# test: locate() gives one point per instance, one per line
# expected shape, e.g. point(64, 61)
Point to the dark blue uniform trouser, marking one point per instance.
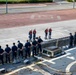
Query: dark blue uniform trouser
point(74, 42)
point(14, 55)
point(1, 58)
point(27, 53)
point(7, 58)
point(21, 53)
point(34, 52)
point(34, 36)
point(71, 44)
point(46, 35)
point(39, 48)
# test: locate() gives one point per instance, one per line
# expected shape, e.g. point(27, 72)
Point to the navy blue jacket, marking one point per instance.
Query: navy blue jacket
point(20, 45)
point(1, 50)
point(34, 43)
point(14, 48)
point(27, 45)
point(7, 49)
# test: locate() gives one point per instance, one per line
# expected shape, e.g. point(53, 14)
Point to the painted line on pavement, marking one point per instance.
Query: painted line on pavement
point(69, 66)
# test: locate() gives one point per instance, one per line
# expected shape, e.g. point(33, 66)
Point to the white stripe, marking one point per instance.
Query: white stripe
point(69, 66)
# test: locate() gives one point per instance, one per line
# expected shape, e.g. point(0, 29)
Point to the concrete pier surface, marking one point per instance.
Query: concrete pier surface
point(59, 64)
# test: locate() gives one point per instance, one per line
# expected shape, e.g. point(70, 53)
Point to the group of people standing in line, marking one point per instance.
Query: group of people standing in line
point(33, 48)
point(72, 41)
point(35, 45)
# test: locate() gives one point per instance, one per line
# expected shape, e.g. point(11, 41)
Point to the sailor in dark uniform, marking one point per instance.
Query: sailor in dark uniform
point(8, 51)
point(71, 40)
point(27, 49)
point(14, 51)
point(1, 55)
point(39, 44)
point(20, 48)
point(34, 48)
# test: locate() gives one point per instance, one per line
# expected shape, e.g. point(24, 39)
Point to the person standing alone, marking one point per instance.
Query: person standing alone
point(30, 35)
point(34, 34)
point(46, 33)
point(71, 41)
point(50, 31)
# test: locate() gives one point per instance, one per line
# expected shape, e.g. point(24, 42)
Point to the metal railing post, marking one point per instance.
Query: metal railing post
point(73, 4)
point(6, 6)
